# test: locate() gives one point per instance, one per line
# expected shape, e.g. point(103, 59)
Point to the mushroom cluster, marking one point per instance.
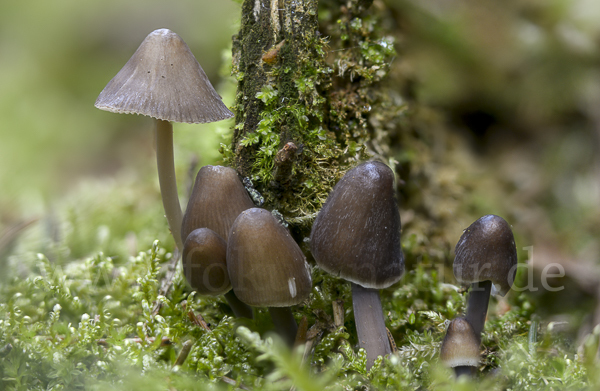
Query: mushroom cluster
point(486, 258)
point(232, 248)
point(217, 198)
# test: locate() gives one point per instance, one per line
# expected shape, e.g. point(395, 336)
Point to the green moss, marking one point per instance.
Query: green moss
point(90, 324)
point(319, 93)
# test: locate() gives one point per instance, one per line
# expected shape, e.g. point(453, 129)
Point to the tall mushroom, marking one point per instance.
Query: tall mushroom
point(485, 254)
point(205, 268)
point(267, 268)
point(164, 81)
point(356, 236)
point(460, 348)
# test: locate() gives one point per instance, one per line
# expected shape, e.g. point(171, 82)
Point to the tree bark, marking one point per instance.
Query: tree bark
point(305, 94)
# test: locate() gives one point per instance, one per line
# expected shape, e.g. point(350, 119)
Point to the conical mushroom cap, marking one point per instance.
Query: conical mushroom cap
point(216, 201)
point(266, 266)
point(204, 262)
point(460, 347)
point(163, 80)
point(357, 233)
point(486, 251)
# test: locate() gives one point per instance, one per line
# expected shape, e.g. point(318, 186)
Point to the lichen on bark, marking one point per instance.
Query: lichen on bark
point(309, 103)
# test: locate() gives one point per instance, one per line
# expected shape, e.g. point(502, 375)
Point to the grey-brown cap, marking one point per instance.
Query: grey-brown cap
point(217, 199)
point(204, 262)
point(163, 80)
point(356, 235)
point(266, 266)
point(460, 347)
point(486, 251)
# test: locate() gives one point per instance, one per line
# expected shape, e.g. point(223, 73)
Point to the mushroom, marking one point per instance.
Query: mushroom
point(460, 348)
point(164, 81)
point(485, 254)
point(205, 268)
point(356, 236)
point(267, 268)
point(217, 199)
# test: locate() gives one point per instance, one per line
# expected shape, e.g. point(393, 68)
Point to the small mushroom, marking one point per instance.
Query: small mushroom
point(460, 348)
point(217, 199)
point(485, 254)
point(164, 81)
point(205, 268)
point(356, 236)
point(267, 268)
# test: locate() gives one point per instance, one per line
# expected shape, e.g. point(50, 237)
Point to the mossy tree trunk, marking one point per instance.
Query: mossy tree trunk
point(309, 98)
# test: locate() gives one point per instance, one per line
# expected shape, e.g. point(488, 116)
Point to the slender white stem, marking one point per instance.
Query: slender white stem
point(166, 178)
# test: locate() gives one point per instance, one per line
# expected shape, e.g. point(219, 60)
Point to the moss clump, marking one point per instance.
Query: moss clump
point(73, 323)
point(304, 101)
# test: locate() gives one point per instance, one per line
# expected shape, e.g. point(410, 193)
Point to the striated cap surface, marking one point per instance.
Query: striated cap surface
point(216, 201)
point(266, 266)
point(356, 235)
point(163, 80)
point(460, 347)
point(204, 262)
point(486, 251)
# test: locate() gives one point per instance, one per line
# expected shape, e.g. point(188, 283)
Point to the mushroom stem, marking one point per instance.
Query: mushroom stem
point(166, 178)
point(370, 324)
point(463, 370)
point(479, 297)
point(240, 309)
point(285, 324)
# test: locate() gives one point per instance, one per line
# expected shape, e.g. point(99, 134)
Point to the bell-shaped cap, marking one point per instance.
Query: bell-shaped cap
point(486, 251)
point(266, 266)
point(204, 262)
point(163, 80)
point(217, 199)
point(460, 347)
point(356, 235)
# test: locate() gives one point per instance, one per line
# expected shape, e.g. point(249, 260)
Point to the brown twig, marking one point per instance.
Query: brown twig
point(183, 354)
point(338, 313)
point(198, 319)
point(302, 330)
point(392, 342)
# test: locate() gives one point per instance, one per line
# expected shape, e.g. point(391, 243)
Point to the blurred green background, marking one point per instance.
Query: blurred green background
point(56, 57)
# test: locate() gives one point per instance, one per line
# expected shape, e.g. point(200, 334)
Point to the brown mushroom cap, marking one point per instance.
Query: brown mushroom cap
point(357, 233)
point(163, 80)
point(204, 262)
point(216, 201)
point(486, 251)
point(266, 266)
point(460, 346)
